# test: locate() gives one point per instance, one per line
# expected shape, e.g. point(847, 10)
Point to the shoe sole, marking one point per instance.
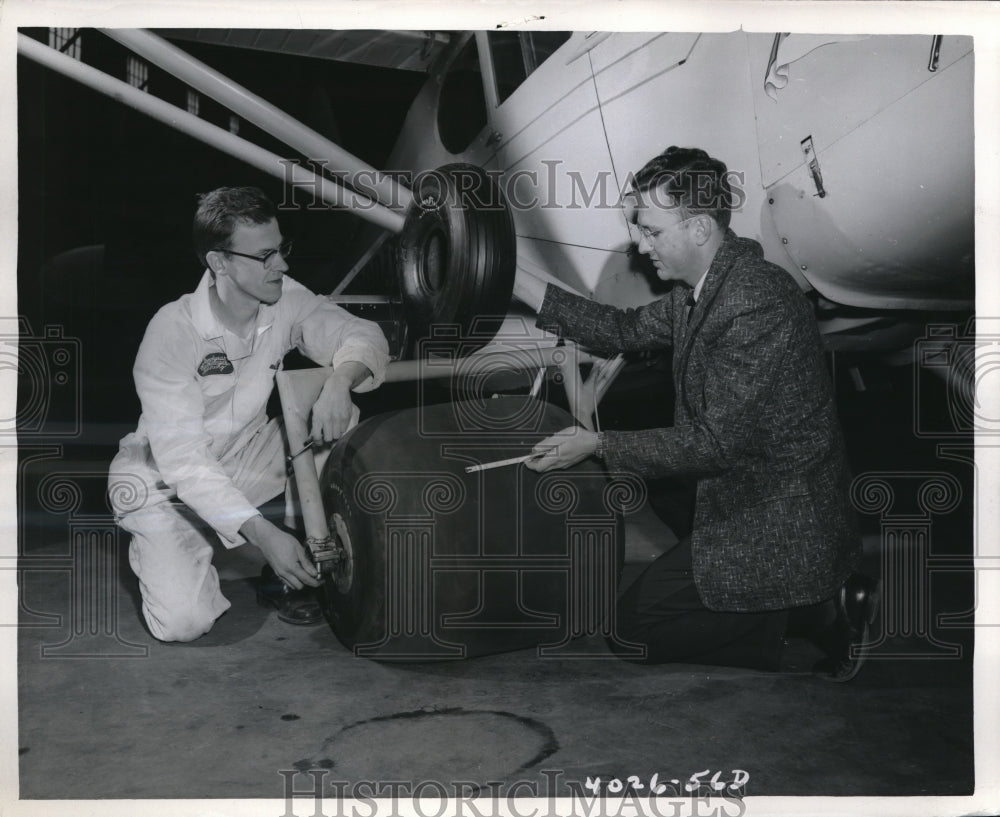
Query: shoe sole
point(871, 613)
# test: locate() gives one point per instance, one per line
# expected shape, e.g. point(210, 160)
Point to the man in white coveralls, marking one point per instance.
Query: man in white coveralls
point(205, 456)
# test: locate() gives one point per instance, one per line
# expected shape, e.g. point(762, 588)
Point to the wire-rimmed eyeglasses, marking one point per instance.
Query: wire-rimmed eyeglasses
point(651, 233)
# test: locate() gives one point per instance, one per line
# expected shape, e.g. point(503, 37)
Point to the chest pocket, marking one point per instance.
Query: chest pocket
point(216, 386)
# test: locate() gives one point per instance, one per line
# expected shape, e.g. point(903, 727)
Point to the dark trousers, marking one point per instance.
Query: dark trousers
point(662, 611)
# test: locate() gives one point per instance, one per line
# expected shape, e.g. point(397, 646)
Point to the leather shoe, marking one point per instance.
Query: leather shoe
point(857, 604)
point(294, 606)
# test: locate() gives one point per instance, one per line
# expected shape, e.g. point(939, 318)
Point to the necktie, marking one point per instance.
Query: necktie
point(690, 305)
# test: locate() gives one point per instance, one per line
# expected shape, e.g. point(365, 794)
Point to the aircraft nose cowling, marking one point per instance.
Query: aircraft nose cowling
point(447, 564)
point(457, 256)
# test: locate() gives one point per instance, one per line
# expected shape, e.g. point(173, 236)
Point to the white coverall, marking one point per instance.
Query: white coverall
point(204, 455)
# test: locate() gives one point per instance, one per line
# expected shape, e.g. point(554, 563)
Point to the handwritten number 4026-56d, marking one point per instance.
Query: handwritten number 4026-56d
point(694, 783)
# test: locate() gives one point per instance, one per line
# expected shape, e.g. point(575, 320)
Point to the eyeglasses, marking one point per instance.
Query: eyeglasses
point(649, 235)
point(267, 259)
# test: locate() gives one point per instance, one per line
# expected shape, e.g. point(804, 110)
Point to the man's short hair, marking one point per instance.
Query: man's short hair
point(689, 179)
point(219, 211)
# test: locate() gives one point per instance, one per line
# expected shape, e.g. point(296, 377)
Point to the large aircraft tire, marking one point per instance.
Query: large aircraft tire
point(445, 564)
point(457, 255)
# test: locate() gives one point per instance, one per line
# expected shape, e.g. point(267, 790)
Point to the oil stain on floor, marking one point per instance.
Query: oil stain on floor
point(484, 745)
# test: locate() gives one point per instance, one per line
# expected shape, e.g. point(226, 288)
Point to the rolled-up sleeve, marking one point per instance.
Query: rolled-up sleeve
point(331, 336)
point(173, 413)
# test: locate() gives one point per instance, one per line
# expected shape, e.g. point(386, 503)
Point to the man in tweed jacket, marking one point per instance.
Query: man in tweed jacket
point(773, 545)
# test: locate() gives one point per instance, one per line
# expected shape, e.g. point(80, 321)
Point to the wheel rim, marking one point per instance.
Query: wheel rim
point(434, 261)
point(343, 575)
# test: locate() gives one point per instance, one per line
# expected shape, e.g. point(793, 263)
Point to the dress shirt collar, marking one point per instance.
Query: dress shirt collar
point(696, 294)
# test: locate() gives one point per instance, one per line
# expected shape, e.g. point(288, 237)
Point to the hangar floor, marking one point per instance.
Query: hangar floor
point(108, 712)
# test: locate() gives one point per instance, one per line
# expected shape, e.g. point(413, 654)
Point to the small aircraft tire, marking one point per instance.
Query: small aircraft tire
point(457, 255)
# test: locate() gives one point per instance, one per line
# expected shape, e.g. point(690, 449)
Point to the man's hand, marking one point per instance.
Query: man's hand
point(282, 551)
point(334, 413)
point(563, 449)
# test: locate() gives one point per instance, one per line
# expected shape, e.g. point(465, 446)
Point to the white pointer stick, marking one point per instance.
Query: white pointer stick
point(486, 466)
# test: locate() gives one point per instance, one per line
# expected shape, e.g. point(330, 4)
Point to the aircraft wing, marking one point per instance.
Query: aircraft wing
point(402, 50)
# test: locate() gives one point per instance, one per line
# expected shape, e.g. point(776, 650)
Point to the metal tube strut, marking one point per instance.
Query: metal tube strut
point(326, 189)
point(261, 113)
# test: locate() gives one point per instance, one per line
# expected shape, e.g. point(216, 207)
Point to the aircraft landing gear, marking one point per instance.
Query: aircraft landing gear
point(457, 252)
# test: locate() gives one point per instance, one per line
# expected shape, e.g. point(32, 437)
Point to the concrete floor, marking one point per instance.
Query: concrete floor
point(106, 711)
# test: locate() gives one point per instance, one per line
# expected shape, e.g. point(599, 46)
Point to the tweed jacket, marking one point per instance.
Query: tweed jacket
point(754, 423)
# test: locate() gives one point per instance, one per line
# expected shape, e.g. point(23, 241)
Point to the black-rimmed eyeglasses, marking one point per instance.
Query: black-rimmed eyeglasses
point(267, 258)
